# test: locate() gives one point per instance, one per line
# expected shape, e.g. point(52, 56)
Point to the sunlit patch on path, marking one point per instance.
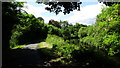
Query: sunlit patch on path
point(31, 46)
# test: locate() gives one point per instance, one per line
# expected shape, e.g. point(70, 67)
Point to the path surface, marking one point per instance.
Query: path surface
point(27, 56)
point(31, 46)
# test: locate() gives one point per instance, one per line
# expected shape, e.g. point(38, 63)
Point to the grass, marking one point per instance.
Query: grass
point(44, 45)
point(18, 46)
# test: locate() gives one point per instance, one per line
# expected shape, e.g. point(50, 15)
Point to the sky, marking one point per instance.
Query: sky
point(86, 15)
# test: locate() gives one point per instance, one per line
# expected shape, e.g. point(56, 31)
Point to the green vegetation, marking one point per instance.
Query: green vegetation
point(105, 34)
point(29, 29)
point(93, 46)
point(61, 47)
point(19, 46)
point(44, 45)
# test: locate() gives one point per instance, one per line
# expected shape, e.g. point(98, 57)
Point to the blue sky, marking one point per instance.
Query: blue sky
point(87, 15)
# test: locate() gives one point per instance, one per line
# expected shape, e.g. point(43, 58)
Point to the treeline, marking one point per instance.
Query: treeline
point(31, 29)
point(105, 33)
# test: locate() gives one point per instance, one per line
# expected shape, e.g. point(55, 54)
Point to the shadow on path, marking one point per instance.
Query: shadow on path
point(23, 58)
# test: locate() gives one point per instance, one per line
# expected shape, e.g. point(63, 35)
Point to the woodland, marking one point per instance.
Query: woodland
point(82, 46)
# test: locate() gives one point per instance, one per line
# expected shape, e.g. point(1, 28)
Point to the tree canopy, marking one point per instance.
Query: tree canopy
point(10, 10)
point(56, 6)
point(109, 2)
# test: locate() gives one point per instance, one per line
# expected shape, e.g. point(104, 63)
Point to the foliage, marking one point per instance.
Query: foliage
point(61, 47)
point(108, 2)
point(53, 30)
point(104, 34)
point(19, 46)
point(44, 45)
point(56, 7)
point(54, 23)
point(91, 57)
point(82, 32)
point(9, 18)
point(71, 31)
point(85, 46)
point(30, 29)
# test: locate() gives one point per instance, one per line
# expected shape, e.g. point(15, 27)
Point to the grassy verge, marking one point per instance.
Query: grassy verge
point(18, 46)
point(55, 47)
point(44, 45)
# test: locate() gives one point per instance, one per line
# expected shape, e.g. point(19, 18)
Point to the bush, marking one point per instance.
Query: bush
point(91, 57)
point(61, 47)
point(105, 33)
point(29, 30)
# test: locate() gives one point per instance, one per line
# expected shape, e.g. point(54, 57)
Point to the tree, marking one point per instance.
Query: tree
point(55, 23)
point(108, 2)
point(40, 18)
point(56, 6)
point(9, 18)
point(53, 30)
point(64, 23)
point(105, 33)
point(29, 30)
point(82, 32)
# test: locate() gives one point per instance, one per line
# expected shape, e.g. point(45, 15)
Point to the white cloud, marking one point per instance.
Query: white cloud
point(26, 0)
point(49, 18)
point(35, 10)
point(88, 0)
point(39, 11)
point(87, 15)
